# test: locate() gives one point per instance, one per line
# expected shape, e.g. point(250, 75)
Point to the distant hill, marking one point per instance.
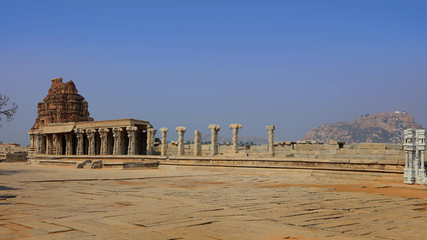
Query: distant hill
point(377, 128)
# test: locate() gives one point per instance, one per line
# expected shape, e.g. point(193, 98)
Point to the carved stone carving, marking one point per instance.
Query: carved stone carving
point(62, 104)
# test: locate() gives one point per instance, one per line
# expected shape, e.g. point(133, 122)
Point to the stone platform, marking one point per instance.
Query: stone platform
point(177, 202)
point(353, 165)
point(87, 161)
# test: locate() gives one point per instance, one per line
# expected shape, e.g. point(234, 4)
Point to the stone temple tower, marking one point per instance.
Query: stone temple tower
point(62, 104)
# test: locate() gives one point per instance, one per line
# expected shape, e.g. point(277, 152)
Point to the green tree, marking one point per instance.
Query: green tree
point(5, 109)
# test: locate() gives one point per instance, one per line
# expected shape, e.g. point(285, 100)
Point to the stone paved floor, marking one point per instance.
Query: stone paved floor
point(45, 202)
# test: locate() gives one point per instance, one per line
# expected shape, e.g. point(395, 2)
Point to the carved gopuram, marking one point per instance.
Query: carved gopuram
point(62, 104)
point(415, 146)
point(109, 137)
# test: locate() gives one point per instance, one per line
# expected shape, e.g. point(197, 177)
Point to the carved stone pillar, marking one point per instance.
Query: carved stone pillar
point(32, 142)
point(132, 140)
point(58, 143)
point(197, 143)
point(68, 144)
point(79, 136)
point(235, 140)
point(270, 130)
point(151, 133)
point(39, 137)
point(91, 141)
point(164, 132)
point(410, 147)
point(49, 144)
point(117, 135)
point(43, 144)
point(103, 135)
point(214, 138)
point(421, 147)
point(181, 131)
point(150, 140)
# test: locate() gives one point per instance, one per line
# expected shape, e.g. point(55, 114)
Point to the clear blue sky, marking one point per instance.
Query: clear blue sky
point(295, 64)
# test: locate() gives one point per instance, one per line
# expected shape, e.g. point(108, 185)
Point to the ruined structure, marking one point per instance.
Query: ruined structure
point(63, 127)
point(62, 104)
point(109, 137)
point(415, 146)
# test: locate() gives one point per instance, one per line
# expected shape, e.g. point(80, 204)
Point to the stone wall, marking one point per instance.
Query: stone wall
point(301, 149)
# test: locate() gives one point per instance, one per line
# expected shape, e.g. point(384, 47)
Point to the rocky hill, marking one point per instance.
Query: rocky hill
point(377, 128)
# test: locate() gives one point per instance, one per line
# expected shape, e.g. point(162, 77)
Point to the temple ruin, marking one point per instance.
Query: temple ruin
point(64, 131)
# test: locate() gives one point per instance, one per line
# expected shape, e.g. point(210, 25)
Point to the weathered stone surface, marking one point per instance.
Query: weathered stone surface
point(62, 104)
point(83, 164)
point(206, 203)
point(96, 164)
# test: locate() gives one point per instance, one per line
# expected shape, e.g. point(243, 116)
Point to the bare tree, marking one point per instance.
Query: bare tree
point(6, 110)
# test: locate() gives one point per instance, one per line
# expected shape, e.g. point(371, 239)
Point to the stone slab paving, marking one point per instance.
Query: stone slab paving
point(46, 202)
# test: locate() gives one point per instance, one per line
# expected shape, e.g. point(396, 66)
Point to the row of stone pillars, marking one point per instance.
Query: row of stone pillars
point(414, 146)
point(110, 141)
point(214, 139)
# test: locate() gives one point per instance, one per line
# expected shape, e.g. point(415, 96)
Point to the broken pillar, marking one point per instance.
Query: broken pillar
point(235, 140)
point(214, 139)
point(270, 130)
point(164, 148)
point(197, 143)
point(181, 130)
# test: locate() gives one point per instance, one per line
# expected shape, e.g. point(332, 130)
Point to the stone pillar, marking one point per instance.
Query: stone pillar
point(270, 130)
point(421, 147)
point(91, 141)
point(103, 135)
point(80, 139)
point(39, 137)
point(150, 140)
point(68, 144)
point(409, 146)
point(49, 144)
point(235, 140)
point(117, 135)
point(43, 144)
point(151, 136)
point(164, 132)
point(181, 131)
point(214, 138)
point(197, 143)
point(32, 142)
point(58, 143)
point(132, 140)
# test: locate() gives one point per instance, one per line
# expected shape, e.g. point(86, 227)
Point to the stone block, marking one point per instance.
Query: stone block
point(96, 164)
point(83, 164)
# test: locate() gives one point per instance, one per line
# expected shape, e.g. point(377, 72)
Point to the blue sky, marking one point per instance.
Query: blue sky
point(296, 64)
